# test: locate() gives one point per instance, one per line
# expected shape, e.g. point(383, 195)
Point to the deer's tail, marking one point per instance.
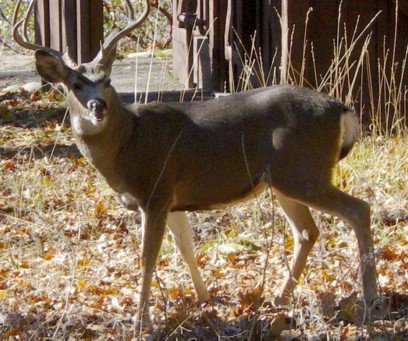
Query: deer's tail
point(350, 131)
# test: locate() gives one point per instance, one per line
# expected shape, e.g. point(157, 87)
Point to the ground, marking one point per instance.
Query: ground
point(17, 68)
point(70, 253)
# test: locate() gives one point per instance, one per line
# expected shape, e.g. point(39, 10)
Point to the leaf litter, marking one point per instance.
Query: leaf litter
point(70, 254)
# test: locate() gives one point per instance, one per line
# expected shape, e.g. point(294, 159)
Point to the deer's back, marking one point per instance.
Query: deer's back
point(237, 143)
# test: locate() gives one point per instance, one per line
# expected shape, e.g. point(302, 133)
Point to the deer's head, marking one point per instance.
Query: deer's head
point(90, 96)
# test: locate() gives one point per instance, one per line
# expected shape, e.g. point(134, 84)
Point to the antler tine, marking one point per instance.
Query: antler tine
point(131, 12)
point(132, 24)
point(16, 24)
point(26, 19)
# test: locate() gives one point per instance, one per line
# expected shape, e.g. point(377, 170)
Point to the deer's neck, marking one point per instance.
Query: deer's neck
point(102, 149)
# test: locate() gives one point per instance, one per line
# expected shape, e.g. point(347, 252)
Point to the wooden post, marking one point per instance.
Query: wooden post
point(89, 29)
point(77, 27)
point(42, 22)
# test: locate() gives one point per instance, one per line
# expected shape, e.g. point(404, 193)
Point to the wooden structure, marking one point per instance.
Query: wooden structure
point(231, 45)
point(234, 38)
point(217, 42)
point(75, 25)
point(212, 39)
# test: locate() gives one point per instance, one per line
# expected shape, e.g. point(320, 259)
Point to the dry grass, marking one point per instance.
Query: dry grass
point(70, 266)
point(70, 254)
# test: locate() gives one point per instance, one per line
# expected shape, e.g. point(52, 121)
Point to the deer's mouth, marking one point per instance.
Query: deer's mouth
point(99, 115)
point(97, 109)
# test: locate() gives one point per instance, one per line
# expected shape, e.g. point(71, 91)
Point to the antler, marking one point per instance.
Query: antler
point(111, 41)
point(24, 41)
point(106, 49)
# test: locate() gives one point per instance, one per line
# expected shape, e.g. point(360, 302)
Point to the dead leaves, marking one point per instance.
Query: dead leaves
point(396, 216)
point(70, 258)
point(24, 109)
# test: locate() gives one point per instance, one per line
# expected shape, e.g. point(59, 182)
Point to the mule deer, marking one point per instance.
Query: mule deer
point(167, 158)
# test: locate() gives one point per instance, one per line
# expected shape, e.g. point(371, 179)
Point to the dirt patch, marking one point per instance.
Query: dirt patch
point(17, 68)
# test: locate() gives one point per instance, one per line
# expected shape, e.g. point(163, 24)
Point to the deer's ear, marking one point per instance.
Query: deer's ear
point(50, 67)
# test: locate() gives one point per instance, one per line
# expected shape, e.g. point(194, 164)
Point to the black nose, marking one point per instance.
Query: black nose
point(96, 105)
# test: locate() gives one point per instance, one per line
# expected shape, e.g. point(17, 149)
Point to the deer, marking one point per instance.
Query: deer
point(166, 159)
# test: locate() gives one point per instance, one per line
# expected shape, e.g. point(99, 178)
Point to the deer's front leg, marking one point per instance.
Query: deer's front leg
point(180, 228)
point(153, 225)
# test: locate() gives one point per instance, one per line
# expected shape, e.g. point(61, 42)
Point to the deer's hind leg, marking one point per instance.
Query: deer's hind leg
point(305, 234)
point(357, 213)
point(329, 199)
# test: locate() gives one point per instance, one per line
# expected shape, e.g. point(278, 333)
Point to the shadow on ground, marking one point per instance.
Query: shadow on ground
point(204, 324)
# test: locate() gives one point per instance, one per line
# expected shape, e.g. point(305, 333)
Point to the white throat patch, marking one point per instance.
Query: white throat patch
point(87, 124)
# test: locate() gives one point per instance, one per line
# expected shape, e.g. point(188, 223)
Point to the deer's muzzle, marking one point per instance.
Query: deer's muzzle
point(98, 108)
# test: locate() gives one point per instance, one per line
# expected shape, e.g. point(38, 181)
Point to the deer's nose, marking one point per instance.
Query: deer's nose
point(97, 105)
point(98, 108)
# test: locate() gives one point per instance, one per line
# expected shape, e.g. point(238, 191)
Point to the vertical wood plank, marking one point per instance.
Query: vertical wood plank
point(219, 14)
point(89, 21)
point(55, 24)
point(82, 21)
point(96, 28)
point(69, 32)
point(75, 25)
point(42, 23)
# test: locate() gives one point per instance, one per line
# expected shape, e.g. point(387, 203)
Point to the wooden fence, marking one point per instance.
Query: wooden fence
point(230, 31)
point(73, 25)
point(247, 43)
point(226, 45)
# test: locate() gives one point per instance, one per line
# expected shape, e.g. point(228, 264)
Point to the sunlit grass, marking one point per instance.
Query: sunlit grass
point(70, 253)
